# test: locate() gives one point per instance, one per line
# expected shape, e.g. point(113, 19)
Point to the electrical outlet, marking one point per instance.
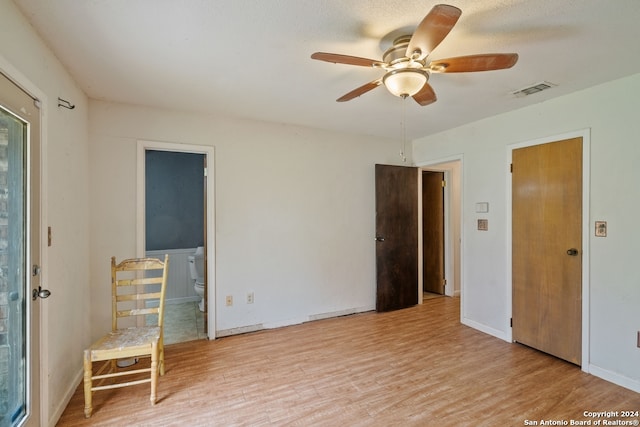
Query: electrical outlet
point(249, 297)
point(229, 300)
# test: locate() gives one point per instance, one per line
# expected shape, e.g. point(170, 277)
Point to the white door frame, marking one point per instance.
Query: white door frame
point(441, 165)
point(585, 134)
point(208, 151)
point(42, 394)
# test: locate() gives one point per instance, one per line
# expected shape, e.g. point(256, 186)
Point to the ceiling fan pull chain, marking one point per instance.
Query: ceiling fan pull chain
point(404, 130)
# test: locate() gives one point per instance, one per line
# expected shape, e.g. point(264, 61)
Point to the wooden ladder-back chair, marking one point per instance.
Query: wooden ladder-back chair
point(137, 291)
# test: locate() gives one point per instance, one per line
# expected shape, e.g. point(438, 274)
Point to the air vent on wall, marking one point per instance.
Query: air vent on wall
point(535, 88)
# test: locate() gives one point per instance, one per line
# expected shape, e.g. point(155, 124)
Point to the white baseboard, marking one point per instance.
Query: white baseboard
point(290, 322)
point(240, 330)
point(615, 378)
point(486, 329)
point(57, 414)
point(339, 313)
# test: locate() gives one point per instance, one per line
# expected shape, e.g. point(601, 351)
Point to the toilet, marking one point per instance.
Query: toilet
point(196, 268)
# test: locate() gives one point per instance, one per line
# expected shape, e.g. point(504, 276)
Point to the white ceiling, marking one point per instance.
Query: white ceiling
point(251, 58)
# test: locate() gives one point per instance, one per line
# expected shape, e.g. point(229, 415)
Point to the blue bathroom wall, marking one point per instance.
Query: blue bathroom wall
point(174, 200)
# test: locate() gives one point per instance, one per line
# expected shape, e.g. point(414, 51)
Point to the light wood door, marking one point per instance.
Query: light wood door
point(396, 237)
point(547, 248)
point(433, 232)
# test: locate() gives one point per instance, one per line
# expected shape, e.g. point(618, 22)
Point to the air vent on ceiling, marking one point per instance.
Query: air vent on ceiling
point(535, 88)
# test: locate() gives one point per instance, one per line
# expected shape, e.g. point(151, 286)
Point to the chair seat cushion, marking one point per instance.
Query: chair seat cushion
point(127, 338)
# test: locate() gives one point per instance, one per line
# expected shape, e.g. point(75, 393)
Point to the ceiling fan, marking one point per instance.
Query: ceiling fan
point(407, 70)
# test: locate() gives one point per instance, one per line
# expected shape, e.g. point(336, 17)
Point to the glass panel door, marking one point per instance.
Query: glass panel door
point(19, 251)
point(13, 289)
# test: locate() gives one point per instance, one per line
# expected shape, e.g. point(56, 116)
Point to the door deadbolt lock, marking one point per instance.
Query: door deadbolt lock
point(40, 293)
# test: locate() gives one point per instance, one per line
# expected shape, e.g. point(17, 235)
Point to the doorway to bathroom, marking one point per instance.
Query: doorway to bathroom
point(175, 205)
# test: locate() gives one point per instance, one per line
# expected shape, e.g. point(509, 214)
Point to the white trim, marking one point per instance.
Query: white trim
point(66, 397)
point(448, 233)
point(420, 289)
point(484, 328)
point(615, 378)
point(585, 134)
point(208, 151)
point(34, 91)
point(449, 265)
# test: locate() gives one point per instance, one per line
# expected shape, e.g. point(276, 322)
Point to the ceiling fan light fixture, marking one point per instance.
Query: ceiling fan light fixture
point(407, 72)
point(405, 82)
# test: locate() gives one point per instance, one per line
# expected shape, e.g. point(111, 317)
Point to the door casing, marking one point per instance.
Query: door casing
point(209, 223)
point(42, 392)
point(453, 271)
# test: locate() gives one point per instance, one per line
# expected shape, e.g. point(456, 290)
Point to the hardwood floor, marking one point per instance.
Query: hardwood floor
point(413, 367)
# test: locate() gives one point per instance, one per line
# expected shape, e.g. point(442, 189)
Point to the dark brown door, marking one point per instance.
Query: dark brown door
point(547, 248)
point(396, 237)
point(433, 232)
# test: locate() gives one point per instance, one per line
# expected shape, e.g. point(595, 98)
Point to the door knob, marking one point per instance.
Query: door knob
point(572, 252)
point(40, 293)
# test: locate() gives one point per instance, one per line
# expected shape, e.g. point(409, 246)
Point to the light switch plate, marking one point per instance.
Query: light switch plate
point(482, 207)
point(483, 224)
point(601, 228)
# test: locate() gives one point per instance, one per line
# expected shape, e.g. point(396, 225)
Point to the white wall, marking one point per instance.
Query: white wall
point(294, 211)
point(25, 58)
point(610, 111)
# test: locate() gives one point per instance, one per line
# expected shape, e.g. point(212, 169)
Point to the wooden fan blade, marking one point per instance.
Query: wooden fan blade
point(345, 59)
point(426, 95)
point(359, 91)
point(432, 30)
point(484, 62)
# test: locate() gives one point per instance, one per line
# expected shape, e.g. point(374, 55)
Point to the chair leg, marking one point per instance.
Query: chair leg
point(161, 357)
point(88, 374)
point(154, 371)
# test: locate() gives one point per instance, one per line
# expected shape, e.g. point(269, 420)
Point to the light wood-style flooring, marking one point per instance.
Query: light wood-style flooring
point(412, 367)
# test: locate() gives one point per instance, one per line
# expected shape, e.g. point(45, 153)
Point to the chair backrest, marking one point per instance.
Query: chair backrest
point(138, 288)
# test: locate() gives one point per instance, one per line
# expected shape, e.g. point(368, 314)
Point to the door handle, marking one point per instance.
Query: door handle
point(40, 293)
point(379, 239)
point(572, 252)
